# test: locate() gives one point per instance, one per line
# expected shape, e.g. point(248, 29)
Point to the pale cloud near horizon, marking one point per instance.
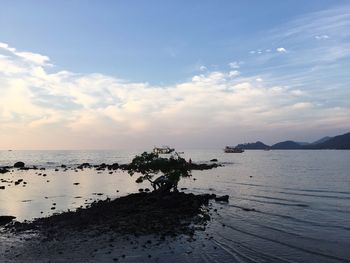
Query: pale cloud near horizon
point(40, 108)
point(281, 50)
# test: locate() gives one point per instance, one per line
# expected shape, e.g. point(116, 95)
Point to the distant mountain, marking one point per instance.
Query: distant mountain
point(322, 140)
point(340, 142)
point(253, 146)
point(287, 145)
point(303, 143)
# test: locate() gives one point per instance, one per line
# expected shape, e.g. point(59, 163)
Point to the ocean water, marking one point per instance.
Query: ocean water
point(285, 206)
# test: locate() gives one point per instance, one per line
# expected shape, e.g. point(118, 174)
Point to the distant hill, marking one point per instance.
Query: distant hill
point(253, 146)
point(303, 143)
point(287, 145)
point(322, 140)
point(340, 142)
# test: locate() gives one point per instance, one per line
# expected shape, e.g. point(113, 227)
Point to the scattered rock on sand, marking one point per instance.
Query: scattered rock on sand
point(214, 160)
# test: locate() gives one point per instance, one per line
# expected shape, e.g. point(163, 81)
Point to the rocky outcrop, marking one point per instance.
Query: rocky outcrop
point(137, 214)
point(6, 219)
point(19, 165)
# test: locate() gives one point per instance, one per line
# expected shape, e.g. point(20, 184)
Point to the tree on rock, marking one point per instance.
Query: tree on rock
point(151, 164)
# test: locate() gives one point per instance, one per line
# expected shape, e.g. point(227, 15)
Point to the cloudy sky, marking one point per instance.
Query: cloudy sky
point(191, 74)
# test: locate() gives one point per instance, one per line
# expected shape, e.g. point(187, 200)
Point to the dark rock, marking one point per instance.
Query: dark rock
point(19, 165)
point(147, 190)
point(223, 198)
point(63, 166)
point(214, 160)
point(141, 190)
point(202, 166)
point(84, 165)
point(18, 181)
point(3, 170)
point(2, 187)
point(114, 166)
point(6, 219)
point(248, 209)
point(163, 214)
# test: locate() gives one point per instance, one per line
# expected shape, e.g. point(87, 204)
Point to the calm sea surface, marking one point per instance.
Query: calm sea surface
point(285, 206)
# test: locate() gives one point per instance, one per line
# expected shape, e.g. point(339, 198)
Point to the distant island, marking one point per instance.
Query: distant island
point(340, 142)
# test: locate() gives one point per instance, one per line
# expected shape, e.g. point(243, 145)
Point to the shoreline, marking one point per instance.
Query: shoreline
point(153, 227)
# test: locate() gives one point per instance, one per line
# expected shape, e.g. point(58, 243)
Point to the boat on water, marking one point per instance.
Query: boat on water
point(231, 149)
point(163, 150)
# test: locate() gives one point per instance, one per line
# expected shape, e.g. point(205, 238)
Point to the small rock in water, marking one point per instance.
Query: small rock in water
point(3, 170)
point(223, 198)
point(19, 165)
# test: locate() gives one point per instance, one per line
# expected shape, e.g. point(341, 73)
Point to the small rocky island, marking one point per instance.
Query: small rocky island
point(164, 211)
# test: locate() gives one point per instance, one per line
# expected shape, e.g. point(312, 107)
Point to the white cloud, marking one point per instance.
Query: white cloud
point(302, 105)
point(203, 68)
point(281, 50)
point(33, 57)
point(234, 65)
point(297, 92)
point(233, 73)
point(321, 37)
point(68, 110)
point(27, 56)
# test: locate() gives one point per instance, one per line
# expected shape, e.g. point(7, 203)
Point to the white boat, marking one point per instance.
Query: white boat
point(163, 150)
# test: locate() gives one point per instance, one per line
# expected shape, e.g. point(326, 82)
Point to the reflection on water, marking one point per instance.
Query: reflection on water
point(68, 190)
point(291, 206)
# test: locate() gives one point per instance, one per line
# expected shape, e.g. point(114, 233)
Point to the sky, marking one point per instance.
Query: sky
point(190, 74)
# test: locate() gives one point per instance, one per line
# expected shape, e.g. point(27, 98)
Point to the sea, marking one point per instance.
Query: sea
point(284, 205)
